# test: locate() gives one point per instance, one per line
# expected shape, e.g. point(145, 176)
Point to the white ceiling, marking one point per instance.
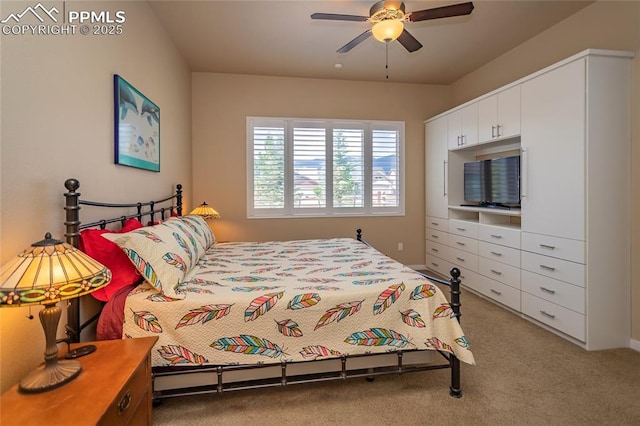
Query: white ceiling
point(279, 38)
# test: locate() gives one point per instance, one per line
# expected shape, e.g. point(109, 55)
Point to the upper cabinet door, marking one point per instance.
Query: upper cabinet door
point(553, 157)
point(499, 115)
point(463, 127)
point(436, 168)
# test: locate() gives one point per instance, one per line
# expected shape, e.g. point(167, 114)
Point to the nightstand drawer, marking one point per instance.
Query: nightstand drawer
point(133, 397)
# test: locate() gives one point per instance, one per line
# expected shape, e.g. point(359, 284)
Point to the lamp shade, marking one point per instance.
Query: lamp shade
point(388, 29)
point(206, 211)
point(49, 271)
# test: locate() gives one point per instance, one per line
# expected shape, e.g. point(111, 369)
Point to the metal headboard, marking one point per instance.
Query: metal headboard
point(161, 208)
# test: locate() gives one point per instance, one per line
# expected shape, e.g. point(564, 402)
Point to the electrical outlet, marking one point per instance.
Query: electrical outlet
point(400, 246)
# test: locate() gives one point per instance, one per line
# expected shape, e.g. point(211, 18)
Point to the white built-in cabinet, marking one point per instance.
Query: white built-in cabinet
point(563, 259)
point(499, 115)
point(463, 127)
point(436, 159)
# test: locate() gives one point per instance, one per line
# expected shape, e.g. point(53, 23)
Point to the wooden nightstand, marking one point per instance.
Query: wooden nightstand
point(114, 388)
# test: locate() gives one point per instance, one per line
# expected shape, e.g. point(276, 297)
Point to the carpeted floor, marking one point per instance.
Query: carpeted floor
point(524, 376)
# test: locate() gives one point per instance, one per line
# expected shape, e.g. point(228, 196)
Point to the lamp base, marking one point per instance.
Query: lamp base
point(50, 376)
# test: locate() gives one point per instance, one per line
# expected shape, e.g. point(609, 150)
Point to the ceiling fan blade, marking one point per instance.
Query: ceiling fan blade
point(337, 17)
point(442, 12)
point(356, 41)
point(409, 42)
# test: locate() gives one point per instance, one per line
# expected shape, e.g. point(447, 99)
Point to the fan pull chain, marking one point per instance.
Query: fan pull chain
point(386, 60)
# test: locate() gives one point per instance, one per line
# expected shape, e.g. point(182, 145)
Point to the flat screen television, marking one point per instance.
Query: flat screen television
point(493, 183)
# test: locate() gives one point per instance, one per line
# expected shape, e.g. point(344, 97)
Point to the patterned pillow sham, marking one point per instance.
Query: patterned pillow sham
point(200, 229)
point(165, 253)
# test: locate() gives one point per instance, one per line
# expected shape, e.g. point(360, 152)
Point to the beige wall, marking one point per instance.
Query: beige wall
point(221, 103)
point(57, 122)
point(602, 25)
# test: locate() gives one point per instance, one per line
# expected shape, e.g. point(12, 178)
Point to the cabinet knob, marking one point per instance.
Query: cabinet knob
point(124, 402)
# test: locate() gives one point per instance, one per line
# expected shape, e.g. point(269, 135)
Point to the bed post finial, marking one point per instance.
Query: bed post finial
point(72, 184)
point(359, 234)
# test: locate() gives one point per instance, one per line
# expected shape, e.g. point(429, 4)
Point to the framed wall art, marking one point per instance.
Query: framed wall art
point(137, 127)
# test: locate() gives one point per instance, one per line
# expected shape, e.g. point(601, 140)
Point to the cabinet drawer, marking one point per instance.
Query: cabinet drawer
point(437, 249)
point(503, 254)
point(562, 319)
point(437, 223)
point(464, 228)
point(437, 236)
point(134, 396)
point(506, 274)
point(562, 248)
point(438, 265)
point(499, 292)
point(463, 259)
point(469, 278)
point(499, 235)
point(558, 269)
point(463, 243)
point(558, 292)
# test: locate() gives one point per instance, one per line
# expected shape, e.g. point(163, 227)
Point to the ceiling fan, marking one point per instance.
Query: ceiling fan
point(388, 18)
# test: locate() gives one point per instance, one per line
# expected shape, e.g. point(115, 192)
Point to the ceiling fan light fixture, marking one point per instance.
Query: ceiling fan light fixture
point(387, 30)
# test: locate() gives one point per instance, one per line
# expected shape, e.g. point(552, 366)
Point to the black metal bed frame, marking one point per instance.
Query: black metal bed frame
point(75, 326)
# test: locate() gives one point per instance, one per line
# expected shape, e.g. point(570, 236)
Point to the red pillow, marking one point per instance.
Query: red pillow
point(110, 255)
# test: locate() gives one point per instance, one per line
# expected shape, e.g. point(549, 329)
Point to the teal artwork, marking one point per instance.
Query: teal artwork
point(137, 128)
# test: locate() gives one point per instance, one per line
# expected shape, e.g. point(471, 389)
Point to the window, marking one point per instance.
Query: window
point(308, 167)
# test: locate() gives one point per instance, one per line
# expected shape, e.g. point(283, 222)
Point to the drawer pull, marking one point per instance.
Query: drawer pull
point(496, 236)
point(124, 402)
point(435, 264)
point(548, 268)
point(548, 315)
point(460, 243)
point(546, 246)
point(495, 253)
point(499, 293)
point(435, 223)
point(434, 236)
point(546, 290)
point(496, 272)
point(460, 259)
point(461, 229)
point(435, 249)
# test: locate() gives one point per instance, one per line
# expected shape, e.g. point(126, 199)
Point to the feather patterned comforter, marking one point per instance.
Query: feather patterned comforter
point(252, 303)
